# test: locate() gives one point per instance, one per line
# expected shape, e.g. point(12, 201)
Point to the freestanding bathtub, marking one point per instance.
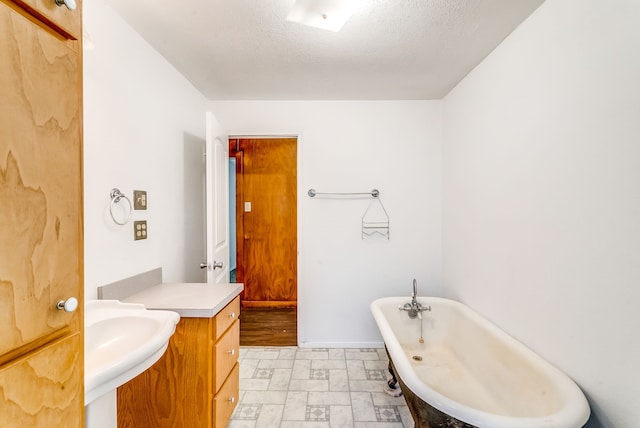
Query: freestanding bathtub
point(469, 373)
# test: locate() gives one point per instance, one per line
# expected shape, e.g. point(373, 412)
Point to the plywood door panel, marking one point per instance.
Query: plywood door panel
point(45, 388)
point(40, 183)
point(60, 18)
point(269, 185)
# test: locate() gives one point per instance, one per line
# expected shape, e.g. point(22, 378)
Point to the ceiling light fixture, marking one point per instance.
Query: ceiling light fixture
point(325, 14)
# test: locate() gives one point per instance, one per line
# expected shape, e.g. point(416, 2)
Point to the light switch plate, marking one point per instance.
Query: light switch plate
point(139, 230)
point(139, 200)
point(247, 207)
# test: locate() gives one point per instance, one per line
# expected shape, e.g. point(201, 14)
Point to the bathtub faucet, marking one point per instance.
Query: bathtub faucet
point(415, 309)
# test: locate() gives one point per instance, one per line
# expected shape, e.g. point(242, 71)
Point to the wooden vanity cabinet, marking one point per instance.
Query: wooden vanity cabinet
point(41, 347)
point(195, 384)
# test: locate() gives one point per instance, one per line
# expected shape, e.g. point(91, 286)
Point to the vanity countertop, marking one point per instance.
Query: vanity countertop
point(190, 300)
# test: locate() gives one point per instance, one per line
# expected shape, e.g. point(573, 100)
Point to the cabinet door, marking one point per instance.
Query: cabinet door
point(44, 389)
point(63, 20)
point(40, 183)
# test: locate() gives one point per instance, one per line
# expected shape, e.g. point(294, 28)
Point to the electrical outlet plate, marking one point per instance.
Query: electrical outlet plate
point(139, 200)
point(140, 230)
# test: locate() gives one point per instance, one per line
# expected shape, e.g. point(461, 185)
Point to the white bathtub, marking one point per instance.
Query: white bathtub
point(475, 372)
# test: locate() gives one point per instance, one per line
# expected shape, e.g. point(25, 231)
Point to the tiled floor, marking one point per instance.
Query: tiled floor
point(291, 387)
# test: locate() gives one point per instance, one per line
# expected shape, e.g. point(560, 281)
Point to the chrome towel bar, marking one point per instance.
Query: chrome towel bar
point(374, 193)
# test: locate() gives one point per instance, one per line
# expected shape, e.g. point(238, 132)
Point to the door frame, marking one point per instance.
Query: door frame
point(233, 153)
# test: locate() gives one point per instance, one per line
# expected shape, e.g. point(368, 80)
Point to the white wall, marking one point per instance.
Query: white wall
point(351, 146)
point(143, 122)
point(541, 224)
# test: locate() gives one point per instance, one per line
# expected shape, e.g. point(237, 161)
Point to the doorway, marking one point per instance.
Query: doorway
point(266, 238)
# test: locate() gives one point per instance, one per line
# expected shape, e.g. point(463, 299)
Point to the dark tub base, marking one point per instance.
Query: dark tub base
point(424, 415)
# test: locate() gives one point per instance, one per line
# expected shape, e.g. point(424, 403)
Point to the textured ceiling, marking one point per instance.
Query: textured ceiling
point(390, 49)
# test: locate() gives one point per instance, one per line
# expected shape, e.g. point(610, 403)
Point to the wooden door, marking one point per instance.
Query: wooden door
point(266, 224)
point(41, 358)
point(44, 388)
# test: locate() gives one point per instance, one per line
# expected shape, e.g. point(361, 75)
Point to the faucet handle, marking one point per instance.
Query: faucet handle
point(406, 307)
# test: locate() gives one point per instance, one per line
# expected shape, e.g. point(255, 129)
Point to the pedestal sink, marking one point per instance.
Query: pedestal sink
point(121, 341)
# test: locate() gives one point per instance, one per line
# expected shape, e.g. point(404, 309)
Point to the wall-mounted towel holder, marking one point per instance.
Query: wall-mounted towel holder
point(374, 193)
point(116, 196)
point(375, 220)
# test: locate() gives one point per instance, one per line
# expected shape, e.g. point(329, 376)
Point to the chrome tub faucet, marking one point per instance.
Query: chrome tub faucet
point(414, 309)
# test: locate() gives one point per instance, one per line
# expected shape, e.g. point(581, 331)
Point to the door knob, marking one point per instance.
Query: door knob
point(69, 305)
point(71, 4)
point(217, 265)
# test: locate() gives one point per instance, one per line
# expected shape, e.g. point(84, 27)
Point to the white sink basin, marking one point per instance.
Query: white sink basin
point(121, 341)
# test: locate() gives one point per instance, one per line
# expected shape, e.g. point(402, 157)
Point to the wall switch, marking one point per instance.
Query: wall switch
point(247, 207)
point(139, 200)
point(139, 230)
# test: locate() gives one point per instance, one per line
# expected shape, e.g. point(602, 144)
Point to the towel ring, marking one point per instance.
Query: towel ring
point(116, 195)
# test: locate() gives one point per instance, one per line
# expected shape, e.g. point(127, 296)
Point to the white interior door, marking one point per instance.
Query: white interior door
point(217, 204)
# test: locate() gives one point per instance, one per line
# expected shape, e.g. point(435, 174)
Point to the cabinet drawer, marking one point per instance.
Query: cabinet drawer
point(60, 18)
point(226, 317)
point(45, 388)
point(226, 400)
point(225, 355)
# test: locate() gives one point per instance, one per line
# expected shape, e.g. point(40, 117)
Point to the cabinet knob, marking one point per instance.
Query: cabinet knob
point(232, 315)
point(232, 400)
point(232, 352)
point(69, 305)
point(71, 4)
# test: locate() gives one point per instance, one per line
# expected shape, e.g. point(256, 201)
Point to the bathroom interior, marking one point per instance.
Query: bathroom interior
point(514, 192)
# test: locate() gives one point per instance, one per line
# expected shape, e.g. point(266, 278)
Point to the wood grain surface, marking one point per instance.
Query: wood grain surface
point(268, 327)
point(267, 235)
point(178, 391)
point(227, 398)
point(44, 389)
point(40, 182)
point(41, 249)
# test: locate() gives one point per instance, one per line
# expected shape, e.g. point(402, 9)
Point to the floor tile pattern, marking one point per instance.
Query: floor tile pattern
point(290, 387)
